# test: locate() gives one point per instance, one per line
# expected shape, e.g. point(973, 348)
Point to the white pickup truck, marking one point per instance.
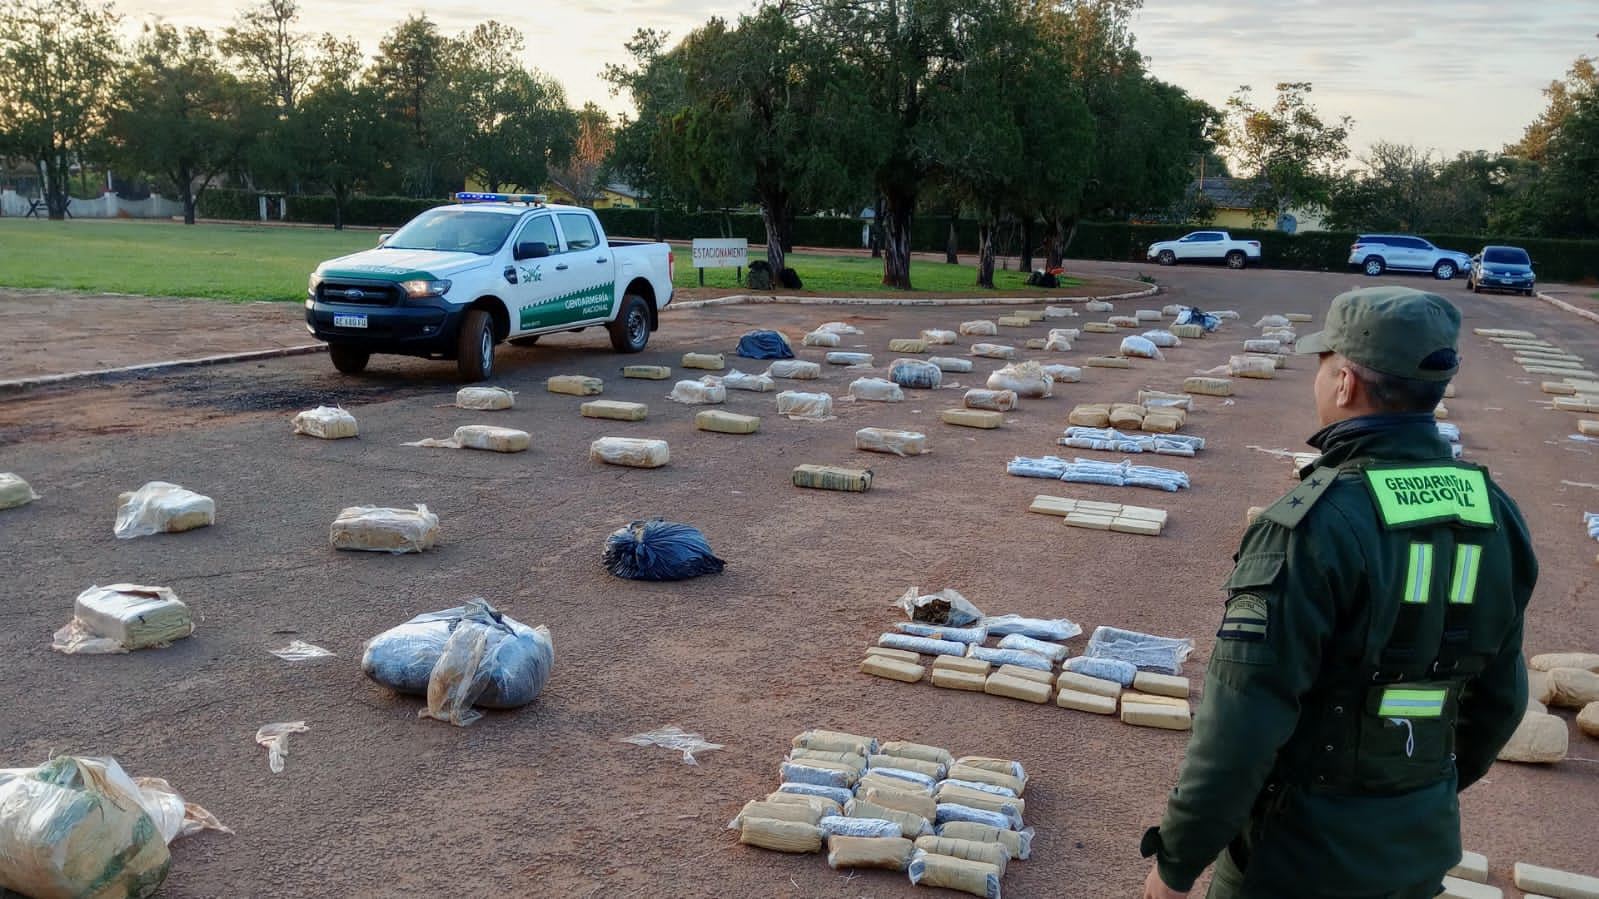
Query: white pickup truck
point(459, 279)
point(1205, 246)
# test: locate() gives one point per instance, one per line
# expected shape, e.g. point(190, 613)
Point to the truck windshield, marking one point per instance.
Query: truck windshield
point(1506, 256)
point(454, 231)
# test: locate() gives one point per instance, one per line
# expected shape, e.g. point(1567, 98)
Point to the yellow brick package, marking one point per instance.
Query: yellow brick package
point(979, 329)
point(892, 853)
point(1107, 362)
point(130, 615)
point(904, 655)
point(1251, 367)
point(1018, 843)
point(370, 529)
point(971, 850)
point(1148, 714)
point(615, 410)
point(1208, 386)
point(1013, 321)
point(932, 769)
point(780, 836)
point(976, 878)
point(835, 741)
point(892, 669)
point(719, 421)
point(964, 770)
point(1082, 683)
point(907, 345)
point(920, 751)
point(822, 804)
point(917, 804)
point(647, 372)
point(706, 361)
point(1541, 738)
point(576, 385)
point(159, 507)
point(972, 418)
point(832, 477)
point(633, 452)
point(962, 663)
point(856, 763)
point(493, 439)
point(1549, 661)
point(980, 799)
point(952, 679)
point(1086, 702)
point(909, 822)
point(780, 811)
point(995, 400)
point(1099, 328)
point(1161, 684)
point(326, 422)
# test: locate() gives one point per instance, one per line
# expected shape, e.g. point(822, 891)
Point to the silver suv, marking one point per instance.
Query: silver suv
point(1377, 253)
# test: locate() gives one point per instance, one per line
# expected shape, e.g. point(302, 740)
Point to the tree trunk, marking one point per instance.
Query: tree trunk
point(774, 214)
point(56, 177)
point(877, 230)
point(1053, 249)
point(186, 192)
point(1025, 257)
point(985, 252)
point(952, 242)
point(897, 209)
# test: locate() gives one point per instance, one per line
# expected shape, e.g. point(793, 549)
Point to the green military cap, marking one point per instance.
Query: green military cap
point(1390, 330)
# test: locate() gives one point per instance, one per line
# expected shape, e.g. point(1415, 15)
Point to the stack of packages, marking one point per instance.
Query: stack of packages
point(1114, 441)
point(1159, 413)
point(1090, 471)
point(948, 822)
point(1032, 660)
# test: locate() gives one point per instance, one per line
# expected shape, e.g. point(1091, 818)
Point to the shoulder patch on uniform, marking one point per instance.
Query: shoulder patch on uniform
point(1290, 509)
point(1246, 618)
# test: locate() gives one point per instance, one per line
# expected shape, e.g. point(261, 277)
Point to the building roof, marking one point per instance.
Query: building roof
point(1227, 193)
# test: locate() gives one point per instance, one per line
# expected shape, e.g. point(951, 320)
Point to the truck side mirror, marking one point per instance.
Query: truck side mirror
point(384, 237)
point(531, 249)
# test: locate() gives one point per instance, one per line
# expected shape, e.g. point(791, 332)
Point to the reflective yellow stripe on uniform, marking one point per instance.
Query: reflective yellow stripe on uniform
point(1463, 589)
point(1399, 703)
point(1418, 578)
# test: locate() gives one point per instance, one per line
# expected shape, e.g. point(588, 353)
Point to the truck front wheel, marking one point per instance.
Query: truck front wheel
point(475, 354)
point(631, 330)
point(348, 360)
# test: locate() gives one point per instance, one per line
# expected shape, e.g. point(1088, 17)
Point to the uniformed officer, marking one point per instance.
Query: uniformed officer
point(1368, 665)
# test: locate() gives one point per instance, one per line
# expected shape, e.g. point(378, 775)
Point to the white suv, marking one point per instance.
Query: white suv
point(1376, 253)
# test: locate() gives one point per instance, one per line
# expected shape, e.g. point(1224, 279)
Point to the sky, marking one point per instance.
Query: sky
point(1442, 75)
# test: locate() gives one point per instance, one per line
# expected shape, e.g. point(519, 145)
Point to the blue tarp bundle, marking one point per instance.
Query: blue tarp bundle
point(659, 550)
point(764, 345)
point(514, 668)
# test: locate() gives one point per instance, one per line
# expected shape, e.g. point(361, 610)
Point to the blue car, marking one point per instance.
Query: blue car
point(1501, 268)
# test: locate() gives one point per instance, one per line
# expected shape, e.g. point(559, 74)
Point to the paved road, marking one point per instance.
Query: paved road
point(375, 802)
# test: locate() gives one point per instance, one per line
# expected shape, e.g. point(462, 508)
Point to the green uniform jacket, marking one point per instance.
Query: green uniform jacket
point(1313, 597)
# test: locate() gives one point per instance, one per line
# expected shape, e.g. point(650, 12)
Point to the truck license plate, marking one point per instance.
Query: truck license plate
point(349, 320)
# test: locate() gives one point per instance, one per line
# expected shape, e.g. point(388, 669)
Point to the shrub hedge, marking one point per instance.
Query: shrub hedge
point(1555, 260)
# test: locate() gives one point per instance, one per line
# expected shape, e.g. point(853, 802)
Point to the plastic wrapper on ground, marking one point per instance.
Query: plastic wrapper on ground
point(659, 550)
point(326, 422)
point(876, 389)
point(482, 437)
point(81, 827)
point(675, 738)
point(123, 617)
point(633, 452)
point(512, 660)
point(696, 393)
point(757, 383)
point(372, 529)
point(1027, 379)
point(275, 737)
point(945, 607)
point(1163, 655)
point(764, 344)
point(159, 507)
point(886, 440)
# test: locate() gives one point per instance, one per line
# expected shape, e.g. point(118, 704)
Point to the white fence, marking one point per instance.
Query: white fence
point(105, 206)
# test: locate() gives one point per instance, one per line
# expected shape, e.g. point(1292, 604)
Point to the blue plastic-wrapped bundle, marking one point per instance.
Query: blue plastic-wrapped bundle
point(659, 550)
point(858, 827)
point(1052, 651)
point(915, 373)
point(1106, 669)
point(837, 794)
point(1011, 657)
point(924, 645)
point(1040, 628)
point(1045, 467)
point(939, 632)
point(513, 669)
point(1591, 520)
point(954, 811)
point(764, 345)
point(1193, 315)
point(800, 772)
point(921, 780)
point(1162, 655)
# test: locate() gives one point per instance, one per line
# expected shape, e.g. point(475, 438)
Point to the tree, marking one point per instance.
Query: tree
point(340, 136)
point(1563, 97)
point(1287, 147)
point(269, 51)
point(654, 82)
point(180, 113)
point(58, 61)
point(582, 175)
point(497, 121)
point(408, 63)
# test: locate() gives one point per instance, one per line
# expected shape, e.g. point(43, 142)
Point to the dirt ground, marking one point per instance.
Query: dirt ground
point(547, 800)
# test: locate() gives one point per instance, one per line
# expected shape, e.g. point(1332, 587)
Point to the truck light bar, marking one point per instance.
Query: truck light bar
point(532, 199)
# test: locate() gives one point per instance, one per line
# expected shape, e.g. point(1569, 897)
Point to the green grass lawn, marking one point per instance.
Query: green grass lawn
point(239, 262)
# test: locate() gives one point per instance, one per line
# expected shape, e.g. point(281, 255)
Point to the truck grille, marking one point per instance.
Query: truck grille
point(358, 293)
